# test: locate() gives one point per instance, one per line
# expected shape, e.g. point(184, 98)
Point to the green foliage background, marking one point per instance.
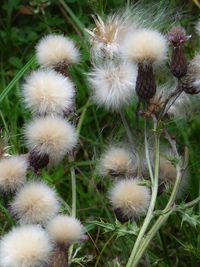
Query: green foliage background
point(22, 24)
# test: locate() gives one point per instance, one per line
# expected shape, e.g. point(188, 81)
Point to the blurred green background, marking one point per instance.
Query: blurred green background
point(22, 24)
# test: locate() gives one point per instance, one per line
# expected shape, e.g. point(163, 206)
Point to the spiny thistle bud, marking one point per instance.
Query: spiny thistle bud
point(129, 199)
point(145, 84)
point(177, 38)
point(191, 82)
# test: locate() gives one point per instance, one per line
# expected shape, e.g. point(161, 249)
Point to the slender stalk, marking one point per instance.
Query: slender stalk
point(104, 247)
point(73, 181)
point(73, 211)
point(147, 153)
point(126, 126)
point(174, 94)
point(192, 203)
point(153, 196)
point(161, 220)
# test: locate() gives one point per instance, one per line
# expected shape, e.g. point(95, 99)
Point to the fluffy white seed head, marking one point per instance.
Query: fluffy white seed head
point(56, 49)
point(25, 246)
point(48, 92)
point(131, 198)
point(51, 135)
point(35, 203)
point(65, 229)
point(145, 46)
point(12, 172)
point(113, 85)
point(117, 161)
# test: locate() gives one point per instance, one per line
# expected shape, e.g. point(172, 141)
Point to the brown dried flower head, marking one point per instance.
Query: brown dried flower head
point(108, 34)
point(155, 104)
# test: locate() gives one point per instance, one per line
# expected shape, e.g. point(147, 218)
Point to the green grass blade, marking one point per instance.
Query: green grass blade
point(6, 91)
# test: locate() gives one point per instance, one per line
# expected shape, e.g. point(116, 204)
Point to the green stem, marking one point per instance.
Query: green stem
point(153, 197)
point(73, 181)
point(104, 247)
point(127, 129)
point(161, 220)
point(192, 203)
point(73, 211)
point(147, 153)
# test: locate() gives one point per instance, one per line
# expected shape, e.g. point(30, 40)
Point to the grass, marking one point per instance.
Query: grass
point(110, 243)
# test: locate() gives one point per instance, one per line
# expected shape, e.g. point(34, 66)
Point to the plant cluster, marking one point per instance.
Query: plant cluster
point(126, 55)
point(43, 235)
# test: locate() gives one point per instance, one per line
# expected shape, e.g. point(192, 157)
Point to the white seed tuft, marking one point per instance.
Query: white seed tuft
point(117, 161)
point(25, 246)
point(48, 92)
point(145, 46)
point(113, 85)
point(12, 172)
point(35, 203)
point(51, 135)
point(131, 198)
point(65, 229)
point(56, 49)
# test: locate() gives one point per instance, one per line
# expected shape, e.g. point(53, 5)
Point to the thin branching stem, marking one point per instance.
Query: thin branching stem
point(126, 127)
point(153, 196)
point(169, 208)
point(73, 211)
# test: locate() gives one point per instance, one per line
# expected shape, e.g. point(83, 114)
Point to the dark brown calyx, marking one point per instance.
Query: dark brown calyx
point(178, 62)
point(59, 257)
point(120, 216)
point(38, 160)
point(177, 38)
point(63, 69)
point(145, 84)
